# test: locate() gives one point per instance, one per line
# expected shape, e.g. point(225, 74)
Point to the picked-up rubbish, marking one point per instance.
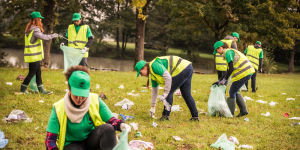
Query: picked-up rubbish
point(286, 114)
point(138, 134)
point(295, 118)
point(8, 83)
point(261, 101)
point(3, 141)
point(246, 119)
point(248, 98)
point(132, 94)
point(121, 87)
point(290, 99)
point(41, 101)
point(17, 115)
point(217, 104)
point(97, 86)
point(116, 115)
point(102, 96)
point(140, 145)
point(295, 123)
point(143, 91)
point(124, 101)
point(273, 103)
point(177, 92)
point(245, 146)
point(160, 88)
point(177, 138)
point(154, 124)
point(176, 108)
point(233, 140)
point(267, 114)
point(201, 111)
point(126, 117)
point(134, 126)
point(283, 93)
point(223, 143)
point(123, 141)
point(126, 106)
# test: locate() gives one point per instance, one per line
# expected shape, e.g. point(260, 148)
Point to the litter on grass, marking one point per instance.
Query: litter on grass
point(124, 101)
point(3, 141)
point(201, 111)
point(134, 126)
point(154, 124)
point(121, 87)
point(295, 118)
point(179, 97)
point(283, 93)
point(246, 119)
point(246, 98)
point(176, 108)
point(273, 103)
point(286, 114)
point(138, 134)
point(177, 92)
point(177, 138)
point(8, 83)
point(233, 140)
point(160, 88)
point(267, 114)
point(140, 145)
point(261, 101)
point(132, 94)
point(41, 101)
point(126, 117)
point(290, 99)
point(116, 115)
point(223, 143)
point(295, 123)
point(126, 106)
point(245, 146)
point(97, 86)
point(102, 96)
point(17, 115)
point(260, 96)
point(143, 91)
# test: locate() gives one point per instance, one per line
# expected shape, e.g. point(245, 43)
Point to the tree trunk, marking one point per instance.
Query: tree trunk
point(292, 59)
point(126, 38)
point(216, 39)
point(48, 21)
point(118, 17)
point(123, 43)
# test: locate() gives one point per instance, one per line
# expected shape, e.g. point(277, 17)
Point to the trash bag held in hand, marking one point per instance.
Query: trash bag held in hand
point(72, 57)
point(217, 103)
point(123, 141)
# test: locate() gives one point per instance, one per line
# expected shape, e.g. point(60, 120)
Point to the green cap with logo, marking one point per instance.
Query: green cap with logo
point(258, 42)
point(36, 14)
point(235, 34)
point(217, 45)
point(76, 16)
point(80, 83)
point(139, 65)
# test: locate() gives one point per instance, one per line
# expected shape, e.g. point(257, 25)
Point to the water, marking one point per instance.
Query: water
point(16, 59)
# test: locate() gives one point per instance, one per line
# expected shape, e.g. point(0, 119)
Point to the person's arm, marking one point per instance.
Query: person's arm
point(52, 131)
point(90, 37)
point(107, 116)
point(234, 45)
point(37, 33)
point(64, 40)
point(51, 141)
point(261, 56)
point(154, 94)
point(245, 52)
point(168, 83)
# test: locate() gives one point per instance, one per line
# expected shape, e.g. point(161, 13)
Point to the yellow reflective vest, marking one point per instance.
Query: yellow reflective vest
point(220, 62)
point(253, 55)
point(62, 117)
point(33, 52)
point(241, 66)
point(175, 66)
point(79, 38)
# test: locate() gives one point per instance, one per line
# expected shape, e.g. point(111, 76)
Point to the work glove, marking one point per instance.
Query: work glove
point(62, 44)
point(152, 111)
point(83, 50)
point(125, 126)
point(222, 82)
point(216, 83)
point(54, 35)
point(162, 98)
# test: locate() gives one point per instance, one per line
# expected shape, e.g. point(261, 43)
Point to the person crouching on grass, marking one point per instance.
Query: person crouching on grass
point(81, 120)
point(174, 72)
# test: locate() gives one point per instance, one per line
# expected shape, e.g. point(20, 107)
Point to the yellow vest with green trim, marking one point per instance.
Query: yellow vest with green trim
point(33, 52)
point(220, 62)
point(159, 79)
point(62, 117)
point(241, 67)
point(253, 55)
point(229, 42)
point(79, 38)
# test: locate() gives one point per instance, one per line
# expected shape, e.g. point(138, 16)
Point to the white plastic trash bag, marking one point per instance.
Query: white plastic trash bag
point(72, 57)
point(124, 101)
point(140, 145)
point(217, 103)
point(123, 141)
point(224, 143)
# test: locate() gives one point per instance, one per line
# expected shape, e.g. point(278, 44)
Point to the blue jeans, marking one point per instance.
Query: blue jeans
point(253, 80)
point(237, 85)
point(183, 80)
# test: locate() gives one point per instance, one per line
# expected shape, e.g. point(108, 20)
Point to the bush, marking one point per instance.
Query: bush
point(3, 63)
point(268, 61)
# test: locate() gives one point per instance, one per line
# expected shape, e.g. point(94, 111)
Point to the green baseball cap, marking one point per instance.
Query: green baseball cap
point(139, 65)
point(217, 45)
point(80, 83)
point(76, 16)
point(235, 34)
point(36, 14)
point(258, 42)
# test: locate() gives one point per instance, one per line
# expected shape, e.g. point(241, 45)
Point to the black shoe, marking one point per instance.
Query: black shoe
point(253, 91)
point(163, 118)
point(194, 119)
point(242, 114)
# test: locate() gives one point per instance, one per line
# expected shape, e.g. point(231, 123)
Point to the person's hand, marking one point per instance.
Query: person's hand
point(152, 111)
point(125, 126)
point(54, 35)
point(83, 50)
point(216, 83)
point(222, 82)
point(62, 44)
point(162, 98)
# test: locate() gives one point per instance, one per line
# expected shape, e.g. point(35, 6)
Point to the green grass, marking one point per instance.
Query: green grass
point(285, 67)
point(273, 132)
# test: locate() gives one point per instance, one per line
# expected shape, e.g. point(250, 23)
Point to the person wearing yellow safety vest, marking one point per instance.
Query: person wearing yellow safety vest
point(34, 51)
point(81, 120)
point(80, 36)
point(255, 55)
point(173, 72)
point(240, 69)
point(221, 66)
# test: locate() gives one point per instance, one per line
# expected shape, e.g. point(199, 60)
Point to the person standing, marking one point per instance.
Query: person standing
point(34, 51)
point(240, 69)
point(174, 72)
point(221, 66)
point(255, 55)
point(81, 35)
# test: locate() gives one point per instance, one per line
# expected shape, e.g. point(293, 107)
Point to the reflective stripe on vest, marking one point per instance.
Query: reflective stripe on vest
point(242, 67)
point(79, 38)
point(33, 52)
point(62, 117)
point(175, 68)
point(253, 55)
point(220, 62)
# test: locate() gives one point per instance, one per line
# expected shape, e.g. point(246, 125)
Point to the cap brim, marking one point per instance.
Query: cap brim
point(80, 92)
point(239, 40)
point(138, 73)
point(75, 19)
point(215, 52)
point(42, 17)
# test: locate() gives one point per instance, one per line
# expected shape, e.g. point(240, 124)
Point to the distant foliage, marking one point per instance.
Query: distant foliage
point(268, 61)
point(3, 63)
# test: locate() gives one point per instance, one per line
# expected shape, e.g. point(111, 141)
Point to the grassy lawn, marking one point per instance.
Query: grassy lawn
point(273, 132)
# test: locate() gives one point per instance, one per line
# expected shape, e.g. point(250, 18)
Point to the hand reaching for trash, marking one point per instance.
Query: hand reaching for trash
point(152, 111)
point(83, 50)
point(163, 99)
point(216, 83)
point(222, 82)
point(125, 126)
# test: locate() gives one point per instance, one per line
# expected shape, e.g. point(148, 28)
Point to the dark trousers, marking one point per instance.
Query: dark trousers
point(183, 80)
point(253, 82)
point(235, 87)
point(34, 69)
point(221, 74)
point(101, 138)
point(83, 62)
